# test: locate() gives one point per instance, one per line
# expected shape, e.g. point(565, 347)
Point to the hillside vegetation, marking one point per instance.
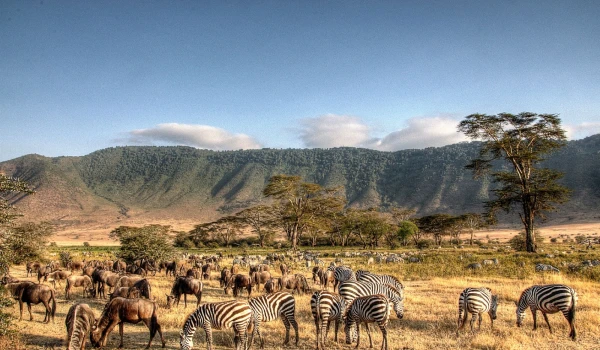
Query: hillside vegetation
point(176, 182)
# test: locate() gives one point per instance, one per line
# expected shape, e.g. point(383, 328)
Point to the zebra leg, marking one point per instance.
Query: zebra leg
point(534, 313)
point(318, 330)
point(369, 334)
point(294, 324)
point(208, 331)
point(479, 324)
point(357, 334)
point(473, 316)
point(338, 322)
point(547, 322)
point(286, 323)
point(384, 344)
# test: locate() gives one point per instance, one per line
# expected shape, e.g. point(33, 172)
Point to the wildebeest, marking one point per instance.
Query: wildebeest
point(79, 321)
point(32, 267)
point(238, 282)
point(327, 277)
point(125, 292)
point(121, 310)
point(101, 277)
point(31, 293)
point(119, 266)
point(128, 281)
point(56, 276)
point(74, 265)
point(79, 281)
point(225, 274)
point(184, 285)
point(8, 279)
point(259, 268)
point(295, 282)
point(170, 268)
point(142, 288)
point(193, 273)
point(272, 285)
point(284, 269)
point(260, 277)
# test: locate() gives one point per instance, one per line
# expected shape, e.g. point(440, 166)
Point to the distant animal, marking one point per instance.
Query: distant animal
point(128, 281)
point(326, 277)
point(170, 268)
point(56, 276)
point(544, 267)
point(74, 265)
point(326, 307)
point(341, 274)
point(31, 293)
point(474, 266)
point(368, 309)
point(32, 267)
point(225, 274)
point(296, 282)
point(184, 286)
point(237, 283)
point(260, 277)
point(79, 322)
point(223, 315)
point(120, 311)
point(549, 299)
point(272, 285)
point(476, 301)
point(79, 281)
point(119, 266)
point(269, 307)
point(102, 278)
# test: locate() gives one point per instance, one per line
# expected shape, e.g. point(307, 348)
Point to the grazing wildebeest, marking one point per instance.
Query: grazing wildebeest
point(56, 276)
point(259, 278)
point(315, 274)
point(80, 321)
point(295, 282)
point(101, 278)
point(225, 274)
point(119, 266)
point(284, 269)
point(184, 285)
point(31, 293)
point(124, 292)
point(193, 273)
point(79, 281)
point(32, 267)
point(74, 265)
point(141, 288)
point(272, 285)
point(170, 268)
point(259, 268)
point(206, 270)
point(235, 269)
point(327, 277)
point(121, 310)
point(237, 283)
point(128, 281)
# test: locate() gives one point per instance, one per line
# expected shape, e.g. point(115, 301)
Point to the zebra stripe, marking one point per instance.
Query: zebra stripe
point(327, 307)
point(341, 274)
point(549, 299)
point(476, 301)
point(366, 276)
point(228, 314)
point(79, 321)
point(544, 267)
point(368, 309)
point(352, 290)
point(268, 308)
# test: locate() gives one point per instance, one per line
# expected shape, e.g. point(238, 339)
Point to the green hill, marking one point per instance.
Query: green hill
point(184, 182)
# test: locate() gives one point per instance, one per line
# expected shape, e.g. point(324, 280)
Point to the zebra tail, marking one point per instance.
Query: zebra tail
point(318, 304)
point(465, 314)
point(571, 314)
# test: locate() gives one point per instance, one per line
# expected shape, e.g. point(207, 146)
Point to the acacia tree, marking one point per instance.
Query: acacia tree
point(260, 219)
point(522, 141)
point(150, 242)
point(472, 222)
point(300, 203)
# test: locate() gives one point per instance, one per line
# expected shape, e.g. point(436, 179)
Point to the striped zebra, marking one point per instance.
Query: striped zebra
point(268, 308)
point(327, 307)
point(549, 299)
point(79, 321)
point(228, 314)
point(367, 309)
point(544, 267)
point(366, 276)
point(341, 274)
point(352, 290)
point(476, 301)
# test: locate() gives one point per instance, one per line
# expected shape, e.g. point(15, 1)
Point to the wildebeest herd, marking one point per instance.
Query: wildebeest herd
point(346, 297)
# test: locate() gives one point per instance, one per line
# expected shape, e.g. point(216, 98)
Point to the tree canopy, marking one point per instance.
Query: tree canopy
point(521, 141)
point(150, 242)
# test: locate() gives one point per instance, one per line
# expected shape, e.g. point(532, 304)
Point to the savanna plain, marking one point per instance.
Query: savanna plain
point(432, 289)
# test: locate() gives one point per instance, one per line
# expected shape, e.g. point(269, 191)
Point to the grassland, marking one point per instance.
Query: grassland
point(432, 288)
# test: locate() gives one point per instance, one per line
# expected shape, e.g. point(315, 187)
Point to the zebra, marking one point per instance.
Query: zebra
point(268, 308)
point(366, 276)
point(476, 301)
point(227, 314)
point(341, 274)
point(548, 299)
point(327, 307)
point(352, 290)
point(79, 322)
point(544, 267)
point(367, 309)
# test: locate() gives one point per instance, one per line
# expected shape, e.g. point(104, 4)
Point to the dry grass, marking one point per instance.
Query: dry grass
point(429, 321)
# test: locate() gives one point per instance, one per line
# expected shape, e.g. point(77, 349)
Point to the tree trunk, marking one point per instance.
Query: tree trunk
point(528, 222)
point(471, 242)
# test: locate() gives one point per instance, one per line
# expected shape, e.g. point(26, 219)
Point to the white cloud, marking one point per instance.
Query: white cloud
point(200, 136)
point(332, 130)
point(337, 130)
point(579, 131)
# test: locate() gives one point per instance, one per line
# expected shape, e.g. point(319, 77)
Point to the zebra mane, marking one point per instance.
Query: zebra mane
point(396, 291)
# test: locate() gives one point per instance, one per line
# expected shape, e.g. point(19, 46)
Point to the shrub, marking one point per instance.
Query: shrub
point(424, 243)
point(553, 239)
point(86, 244)
point(65, 258)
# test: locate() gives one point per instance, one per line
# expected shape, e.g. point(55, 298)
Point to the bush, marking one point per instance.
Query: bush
point(65, 258)
point(424, 243)
point(554, 240)
point(86, 244)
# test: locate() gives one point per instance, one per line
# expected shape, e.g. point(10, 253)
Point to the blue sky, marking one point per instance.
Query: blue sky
point(78, 76)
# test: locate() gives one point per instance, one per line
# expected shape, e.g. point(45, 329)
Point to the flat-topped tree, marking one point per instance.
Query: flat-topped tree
point(521, 141)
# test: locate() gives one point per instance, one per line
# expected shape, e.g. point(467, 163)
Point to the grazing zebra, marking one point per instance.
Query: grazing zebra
point(366, 276)
point(352, 290)
point(268, 308)
point(79, 321)
point(367, 309)
point(476, 301)
point(549, 299)
point(228, 314)
point(341, 274)
point(327, 307)
point(544, 267)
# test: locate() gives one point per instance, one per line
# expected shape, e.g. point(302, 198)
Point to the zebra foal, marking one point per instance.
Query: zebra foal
point(268, 308)
point(79, 322)
point(549, 299)
point(223, 315)
point(326, 307)
point(368, 309)
point(476, 301)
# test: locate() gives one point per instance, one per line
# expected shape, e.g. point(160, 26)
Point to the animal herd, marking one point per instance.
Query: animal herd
point(358, 298)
